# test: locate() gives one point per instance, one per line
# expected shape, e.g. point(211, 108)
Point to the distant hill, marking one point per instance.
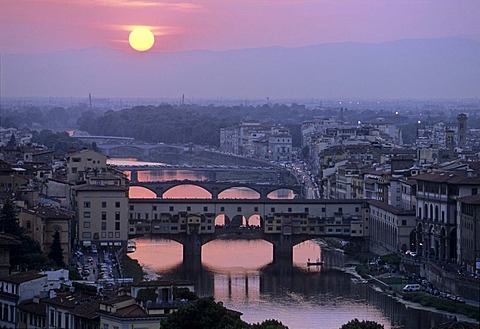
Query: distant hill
point(427, 68)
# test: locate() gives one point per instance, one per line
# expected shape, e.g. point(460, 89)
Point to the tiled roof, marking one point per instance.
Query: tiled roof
point(22, 277)
point(88, 187)
point(391, 209)
point(450, 177)
point(52, 212)
point(33, 308)
point(471, 199)
point(131, 311)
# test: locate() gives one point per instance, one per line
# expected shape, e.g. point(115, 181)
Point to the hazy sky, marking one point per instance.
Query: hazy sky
point(31, 26)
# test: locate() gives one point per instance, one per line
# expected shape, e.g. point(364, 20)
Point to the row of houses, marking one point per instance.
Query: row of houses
point(37, 300)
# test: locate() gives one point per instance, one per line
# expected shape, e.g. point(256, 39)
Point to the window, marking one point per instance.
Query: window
point(87, 235)
point(29, 224)
point(104, 204)
point(117, 215)
point(306, 209)
point(205, 208)
point(104, 226)
point(222, 208)
point(357, 209)
point(104, 215)
point(117, 204)
point(117, 235)
point(67, 320)
point(289, 209)
point(255, 209)
point(110, 235)
point(117, 226)
point(189, 208)
point(86, 214)
point(404, 222)
point(59, 319)
point(154, 208)
point(103, 235)
point(52, 318)
point(132, 207)
point(171, 208)
point(86, 224)
point(474, 191)
point(86, 204)
point(340, 209)
point(272, 209)
point(239, 209)
point(323, 209)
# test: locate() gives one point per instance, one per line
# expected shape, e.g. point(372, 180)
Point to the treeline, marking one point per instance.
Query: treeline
point(184, 124)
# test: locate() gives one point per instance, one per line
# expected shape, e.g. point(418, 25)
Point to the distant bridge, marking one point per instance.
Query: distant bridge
point(283, 223)
point(109, 149)
point(215, 188)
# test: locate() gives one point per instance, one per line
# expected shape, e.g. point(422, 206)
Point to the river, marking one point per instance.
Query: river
point(242, 275)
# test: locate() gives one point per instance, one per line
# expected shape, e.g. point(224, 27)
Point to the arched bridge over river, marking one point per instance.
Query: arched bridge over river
point(215, 188)
point(283, 223)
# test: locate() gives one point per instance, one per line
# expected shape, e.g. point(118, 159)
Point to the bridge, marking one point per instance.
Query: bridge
point(142, 149)
point(283, 223)
point(215, 188)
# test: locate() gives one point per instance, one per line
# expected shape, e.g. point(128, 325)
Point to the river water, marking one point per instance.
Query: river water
point(242, 275)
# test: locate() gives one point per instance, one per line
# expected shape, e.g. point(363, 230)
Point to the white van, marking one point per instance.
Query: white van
point(411, 287)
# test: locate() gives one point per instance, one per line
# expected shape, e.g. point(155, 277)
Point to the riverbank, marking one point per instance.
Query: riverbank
point(391, 284)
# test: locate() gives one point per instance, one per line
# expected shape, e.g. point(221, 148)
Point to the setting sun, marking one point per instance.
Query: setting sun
point(141, 39)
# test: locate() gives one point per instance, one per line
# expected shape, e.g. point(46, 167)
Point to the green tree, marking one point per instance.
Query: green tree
point(205, 313)
point(56, 251)
point(364, 324)
point(9, 222)
point(29, 255)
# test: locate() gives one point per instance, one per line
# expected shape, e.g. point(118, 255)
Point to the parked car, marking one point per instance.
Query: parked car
point(411, 287)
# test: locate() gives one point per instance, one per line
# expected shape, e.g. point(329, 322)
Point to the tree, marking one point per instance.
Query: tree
point(29, 255)
point(9, 222)
point(205, 313)
point(56, 251)
point(364, 324)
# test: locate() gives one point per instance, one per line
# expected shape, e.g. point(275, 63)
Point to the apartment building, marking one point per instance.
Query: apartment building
point(102, 211)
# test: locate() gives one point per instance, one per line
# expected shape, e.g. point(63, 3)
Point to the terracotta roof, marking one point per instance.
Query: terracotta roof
point(391, 209)
point(450, 177)
point(22, 277)
point(82, 305)
point(34, 308)
point(131, 311)
point(116, 299)
point(52, 212)
point(471, 199)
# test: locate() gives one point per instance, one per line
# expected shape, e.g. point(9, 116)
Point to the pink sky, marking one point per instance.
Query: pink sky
point(46, 25)
point(28, 26)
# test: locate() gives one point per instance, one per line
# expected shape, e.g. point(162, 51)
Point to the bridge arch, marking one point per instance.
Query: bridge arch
point(243, 191)
point(281, 193)
point(199, 193)
point(141, 192)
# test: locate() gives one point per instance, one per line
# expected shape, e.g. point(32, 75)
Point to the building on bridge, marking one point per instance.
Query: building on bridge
point(284, 223)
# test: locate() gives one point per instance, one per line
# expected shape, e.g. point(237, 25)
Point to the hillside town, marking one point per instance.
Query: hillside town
point(420, 201)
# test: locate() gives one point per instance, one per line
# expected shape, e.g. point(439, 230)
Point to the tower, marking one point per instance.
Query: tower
point(462, 130)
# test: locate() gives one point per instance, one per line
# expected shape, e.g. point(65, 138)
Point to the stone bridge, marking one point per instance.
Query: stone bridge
point(283, 223)
point(142, 149)
point(215, 188)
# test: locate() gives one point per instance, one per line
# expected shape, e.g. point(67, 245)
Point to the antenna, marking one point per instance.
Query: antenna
point(90, 98)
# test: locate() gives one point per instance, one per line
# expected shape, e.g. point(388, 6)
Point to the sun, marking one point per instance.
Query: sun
point(141, 39)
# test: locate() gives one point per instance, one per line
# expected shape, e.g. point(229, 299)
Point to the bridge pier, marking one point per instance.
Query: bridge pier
point(282, 247)
point(134, 176)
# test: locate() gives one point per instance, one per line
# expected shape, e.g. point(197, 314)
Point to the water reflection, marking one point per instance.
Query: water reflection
point(244, 277)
